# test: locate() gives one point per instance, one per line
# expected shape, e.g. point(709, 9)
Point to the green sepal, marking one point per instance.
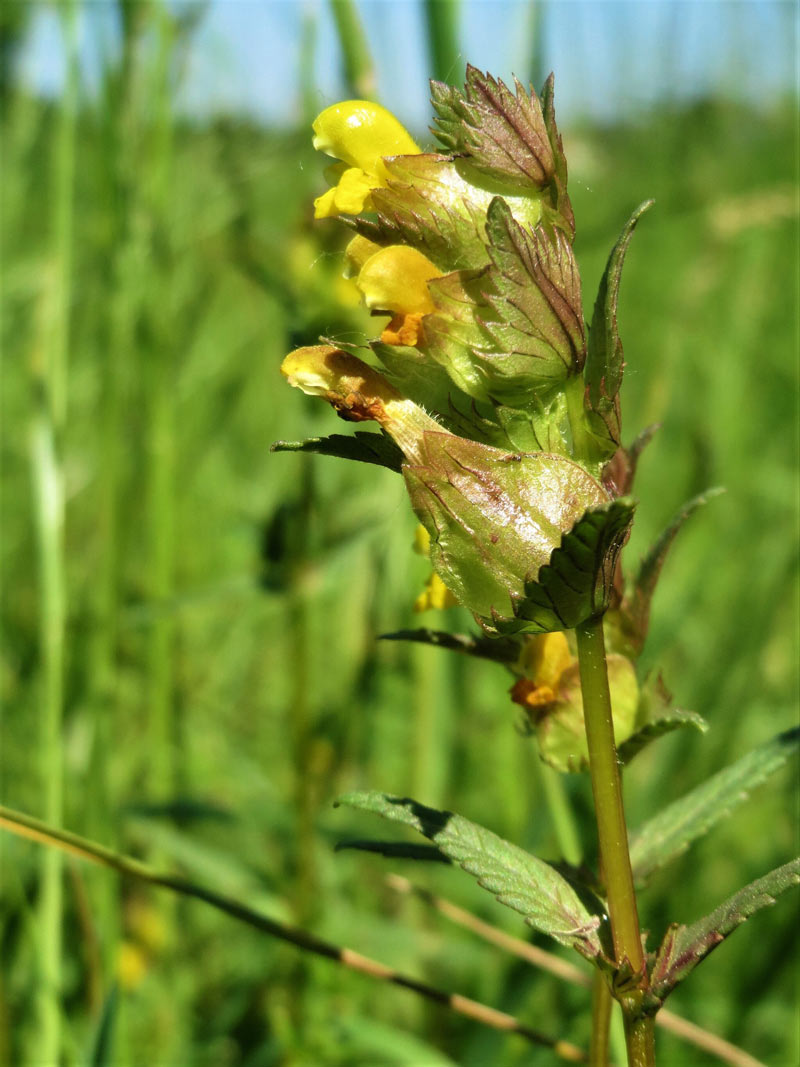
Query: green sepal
point(537, 324)
point(670, 832)
point(495, 519)
point(453, 334)
point(604, 360)
point(363, 446)
point(540, 427)
point(576, 583)
point(429, 206)
point(550, 902)
point(496, 649)
point(503, 135)
point(684, 947)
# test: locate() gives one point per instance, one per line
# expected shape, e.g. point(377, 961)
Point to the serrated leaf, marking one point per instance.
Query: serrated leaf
point(604, 362)
point(537, 321)
point(636, 605)
point(674, 719)
point(576, 583)
point(684, 947)
point(549, 902)
point(557, 207)
point(363, 446)
point(503, 134)
point(674, 828)
point(496, 649)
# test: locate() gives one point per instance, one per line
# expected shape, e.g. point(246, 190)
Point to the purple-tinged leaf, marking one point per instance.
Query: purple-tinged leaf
point(604, 362)
point(536, 298)
point(558, 209)
point(502, 134)
point(684, 947)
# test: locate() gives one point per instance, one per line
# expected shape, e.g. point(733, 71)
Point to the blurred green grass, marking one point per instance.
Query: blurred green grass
point(241, 593)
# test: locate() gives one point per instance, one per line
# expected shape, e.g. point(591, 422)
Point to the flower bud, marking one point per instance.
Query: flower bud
point(358, 393)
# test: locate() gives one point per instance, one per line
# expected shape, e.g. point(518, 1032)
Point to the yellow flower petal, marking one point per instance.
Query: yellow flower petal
point(435, 597)
point(360, 133)
point(396, 279)
point(357, 253)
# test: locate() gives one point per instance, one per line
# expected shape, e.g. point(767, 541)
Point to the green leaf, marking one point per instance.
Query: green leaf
point(428, 205)
point(102, 1051)
point(549, 902)
point(604, 362)
point(363, 446)
point(575, 584)
point(636, 606)
point(672, 830)
point(502, 134)
point(665, 723)
point(537, 325)
point(497, 649)
point(557, 209)
point(684, 947)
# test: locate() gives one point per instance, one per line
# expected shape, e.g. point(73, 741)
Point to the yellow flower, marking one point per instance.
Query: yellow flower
point(395, 280)
point(435, 596)
point(358, 393)
point(546, 658)
point(360, 134)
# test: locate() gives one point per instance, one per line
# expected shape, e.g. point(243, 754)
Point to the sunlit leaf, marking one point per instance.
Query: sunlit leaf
point(684, 947)
point(549, 902)
point(674, 828)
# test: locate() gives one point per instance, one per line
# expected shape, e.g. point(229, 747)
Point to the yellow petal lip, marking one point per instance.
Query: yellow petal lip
point(360, 133)
point(396, 279)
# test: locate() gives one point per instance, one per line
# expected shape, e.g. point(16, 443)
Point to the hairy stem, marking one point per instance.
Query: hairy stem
point(613, 835)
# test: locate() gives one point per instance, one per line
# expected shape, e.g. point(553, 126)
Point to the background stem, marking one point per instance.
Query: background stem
point(359, 71)
point(50, 398)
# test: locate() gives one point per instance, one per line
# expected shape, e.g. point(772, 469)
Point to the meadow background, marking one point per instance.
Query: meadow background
point(190, 667)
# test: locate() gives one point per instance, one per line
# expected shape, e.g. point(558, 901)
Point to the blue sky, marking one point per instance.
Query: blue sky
point(610, 56)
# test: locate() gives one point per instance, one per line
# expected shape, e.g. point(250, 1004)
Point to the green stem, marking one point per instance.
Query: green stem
point(612, 832)
point(640, 1040)
point(601, 1018)
point(358, 69)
